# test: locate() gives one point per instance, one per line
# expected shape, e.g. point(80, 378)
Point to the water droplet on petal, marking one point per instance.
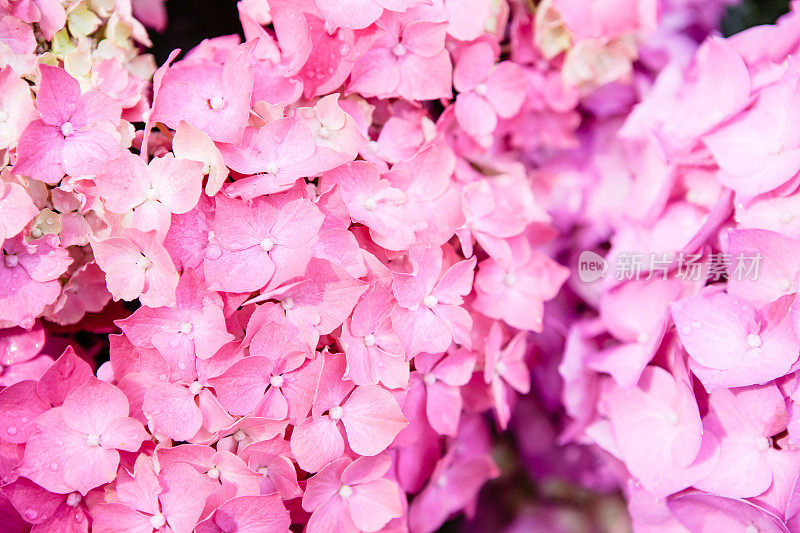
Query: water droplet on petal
point(30, 514)
point(11, 430)
point(54, 466)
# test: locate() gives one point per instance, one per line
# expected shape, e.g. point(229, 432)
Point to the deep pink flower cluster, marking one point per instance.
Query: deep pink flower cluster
point(685, 369)
point(337, 267)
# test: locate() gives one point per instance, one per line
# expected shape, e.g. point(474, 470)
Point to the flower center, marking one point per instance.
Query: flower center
point(276, 381)
point(271, 168)
point(195, 388)
point(93, 440)
point(762, 443)
point(239, 435)
point(152, 194)
point(510, 279)
point(481, 89)
point(287, 303)
point(753, 340)
point(73, 499)
point(158, 521)
point(336, 412)
point(399, 50)
point(345, 491)
point(785, 284)
point(324, 132)
point(370, 204)
point(67, 129)
point(186, 328)
point(429, 379)
point(430, 301)
point(216, 103)
point(500, 368)
point(369, 340)
point(11, 261)
point(213, 473)
point(267, 244)
point(672, 418)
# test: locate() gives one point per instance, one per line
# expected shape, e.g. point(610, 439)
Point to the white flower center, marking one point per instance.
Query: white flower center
point(216, 102)
point(158, 521)
point(239, 435)
point(762, 443)
point(67, 129)
point(481, 89)
point(186, 328)
point(73, 499)
point(345, 491)
point(213, 473)
point(266, 244)
point(754, 340)
point(11, 261)
point(195, 388)
point(430, 301)
point(642, 337)
point(510, 279)
point(93, 440)
point(271, 167)
point(152, 194)
point(369, 340)
point(276, 381)
point(786, 218)
point(262, 470)
point(429, 379)
point(287, 303)
point(672, 418)
point(370, 204)
point(785, 284)
point(751, 529)
point(500, 368)
point(399, 50)
point(336, 412)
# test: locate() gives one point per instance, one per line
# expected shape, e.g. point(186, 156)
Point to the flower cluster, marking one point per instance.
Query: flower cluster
point(689, 384)
point(333, 260)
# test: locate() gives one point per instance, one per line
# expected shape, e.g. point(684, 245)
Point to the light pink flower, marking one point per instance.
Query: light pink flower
point(71, 137)
point(429, 316)
point(405, 53)
point(74, 447)
point(352, 496)
point(487, 90)
point(137, 266)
